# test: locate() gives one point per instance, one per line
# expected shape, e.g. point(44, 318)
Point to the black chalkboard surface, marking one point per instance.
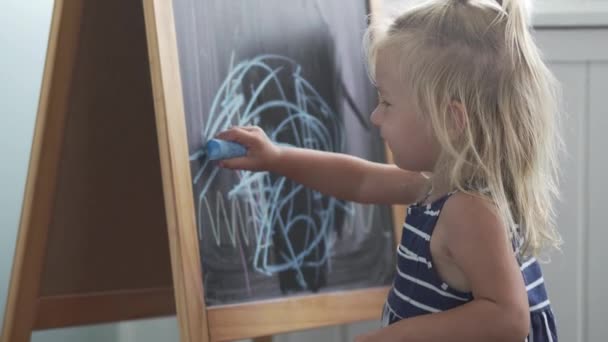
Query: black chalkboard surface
point(296, 69)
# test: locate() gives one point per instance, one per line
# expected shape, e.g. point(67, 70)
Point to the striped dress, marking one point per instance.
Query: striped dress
point(417, 289)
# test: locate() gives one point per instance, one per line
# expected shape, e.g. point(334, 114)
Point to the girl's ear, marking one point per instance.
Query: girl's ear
point(459, 116)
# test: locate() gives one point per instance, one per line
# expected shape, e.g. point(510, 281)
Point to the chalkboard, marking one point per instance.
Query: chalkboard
point(296, 69)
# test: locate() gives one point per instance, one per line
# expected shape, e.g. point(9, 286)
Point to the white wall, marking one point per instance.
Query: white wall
point(571, 12)
point(576, 277)
point(554, 13)
point(24, 29)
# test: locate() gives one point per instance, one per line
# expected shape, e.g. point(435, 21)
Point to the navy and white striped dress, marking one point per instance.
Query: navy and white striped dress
point(418, 289)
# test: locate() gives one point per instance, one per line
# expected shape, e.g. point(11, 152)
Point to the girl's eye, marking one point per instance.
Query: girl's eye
point(383, 101)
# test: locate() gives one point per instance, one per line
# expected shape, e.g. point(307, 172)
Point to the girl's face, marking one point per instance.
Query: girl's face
point(408, 135)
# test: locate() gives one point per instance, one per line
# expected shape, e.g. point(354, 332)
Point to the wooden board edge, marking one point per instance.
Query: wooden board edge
point(41, 182)
point(71, 310)
point(177, 181)
point(262, 318)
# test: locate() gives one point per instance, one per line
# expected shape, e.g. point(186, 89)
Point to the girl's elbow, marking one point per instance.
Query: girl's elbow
point(517, 323)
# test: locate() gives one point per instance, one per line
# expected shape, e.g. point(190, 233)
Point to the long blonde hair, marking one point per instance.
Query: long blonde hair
point(481, 53)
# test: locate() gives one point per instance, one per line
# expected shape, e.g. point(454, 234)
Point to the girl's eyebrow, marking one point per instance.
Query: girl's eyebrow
point(381, 91)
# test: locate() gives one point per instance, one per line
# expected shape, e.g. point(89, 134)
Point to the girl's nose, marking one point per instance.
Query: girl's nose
point(375, 117)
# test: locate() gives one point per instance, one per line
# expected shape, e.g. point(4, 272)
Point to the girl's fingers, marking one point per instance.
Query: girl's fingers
point(251, 128)
point(223, 135)
point(244, 137)
point(232, 134)
point(247, 135)
point(235, 163)
point(227, 134)
point(254, 130)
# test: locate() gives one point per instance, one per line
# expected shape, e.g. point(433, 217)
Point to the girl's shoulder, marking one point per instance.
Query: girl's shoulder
point(471, 216)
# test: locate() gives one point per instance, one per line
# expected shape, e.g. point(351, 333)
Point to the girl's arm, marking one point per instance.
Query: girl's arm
point(339, 175)
point(478, 244)
point(350, 178)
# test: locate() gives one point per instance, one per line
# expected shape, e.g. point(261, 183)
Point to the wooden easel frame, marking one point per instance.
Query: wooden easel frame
point(53, 284)
point(94, 183)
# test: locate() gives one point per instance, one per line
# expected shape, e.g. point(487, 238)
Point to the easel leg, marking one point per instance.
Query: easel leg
point(22, 304)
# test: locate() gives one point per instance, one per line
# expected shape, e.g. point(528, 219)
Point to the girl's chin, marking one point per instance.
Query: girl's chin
point(409, 165)
point(404, 165)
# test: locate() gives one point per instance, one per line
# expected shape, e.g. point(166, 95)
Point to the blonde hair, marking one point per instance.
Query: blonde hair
point(480, 53)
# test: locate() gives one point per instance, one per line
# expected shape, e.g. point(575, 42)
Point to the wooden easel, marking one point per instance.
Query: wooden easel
point(107, 220)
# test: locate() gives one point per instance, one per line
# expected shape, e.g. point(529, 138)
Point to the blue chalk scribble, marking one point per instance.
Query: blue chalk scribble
point(259, 204)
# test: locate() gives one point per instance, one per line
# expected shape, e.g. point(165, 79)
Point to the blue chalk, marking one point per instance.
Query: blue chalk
point(221, 149)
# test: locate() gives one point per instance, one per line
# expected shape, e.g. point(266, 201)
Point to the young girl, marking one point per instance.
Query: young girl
point(468, 109)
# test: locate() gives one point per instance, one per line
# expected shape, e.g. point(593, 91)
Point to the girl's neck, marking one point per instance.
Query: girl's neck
point(438, 186)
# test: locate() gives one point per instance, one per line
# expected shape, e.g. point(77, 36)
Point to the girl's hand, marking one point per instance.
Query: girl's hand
point(262, 153)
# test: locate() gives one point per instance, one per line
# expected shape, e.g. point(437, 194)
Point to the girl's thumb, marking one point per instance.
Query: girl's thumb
point(235, 163)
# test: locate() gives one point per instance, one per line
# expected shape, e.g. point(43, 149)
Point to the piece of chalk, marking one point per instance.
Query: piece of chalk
point(221, 149)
